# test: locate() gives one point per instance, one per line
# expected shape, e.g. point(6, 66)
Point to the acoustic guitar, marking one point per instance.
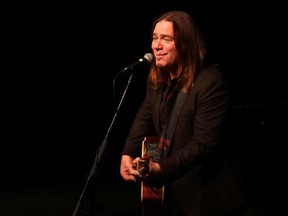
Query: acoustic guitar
point(151, 197)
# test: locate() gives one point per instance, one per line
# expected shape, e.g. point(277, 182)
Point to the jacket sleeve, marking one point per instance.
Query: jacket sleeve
point(142, 126)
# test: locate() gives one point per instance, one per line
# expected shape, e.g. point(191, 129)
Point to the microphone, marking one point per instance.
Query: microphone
point(147, 59)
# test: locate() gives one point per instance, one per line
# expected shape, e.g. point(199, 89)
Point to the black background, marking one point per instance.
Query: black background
point(58, 90)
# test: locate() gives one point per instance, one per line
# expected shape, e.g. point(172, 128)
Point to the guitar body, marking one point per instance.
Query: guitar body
point(151, 198)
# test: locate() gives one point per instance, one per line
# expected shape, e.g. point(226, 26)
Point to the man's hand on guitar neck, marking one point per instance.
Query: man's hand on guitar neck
point(129, 169)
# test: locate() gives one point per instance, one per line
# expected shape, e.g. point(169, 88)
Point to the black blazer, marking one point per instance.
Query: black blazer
point(196, 167)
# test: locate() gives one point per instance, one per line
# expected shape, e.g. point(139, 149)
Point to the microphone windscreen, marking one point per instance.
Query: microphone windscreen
point(149, 57)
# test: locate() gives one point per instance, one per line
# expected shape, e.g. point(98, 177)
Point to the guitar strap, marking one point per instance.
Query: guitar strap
point(168, 132)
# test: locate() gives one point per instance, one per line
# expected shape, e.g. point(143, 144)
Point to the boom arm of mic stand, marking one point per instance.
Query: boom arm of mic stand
point(101, 149)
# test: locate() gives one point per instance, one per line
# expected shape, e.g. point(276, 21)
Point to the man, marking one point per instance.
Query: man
point(186, 106)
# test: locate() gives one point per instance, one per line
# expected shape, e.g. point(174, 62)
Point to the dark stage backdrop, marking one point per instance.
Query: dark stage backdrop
point(59, 100)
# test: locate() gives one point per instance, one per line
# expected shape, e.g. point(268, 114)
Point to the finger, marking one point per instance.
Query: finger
point(136, 160)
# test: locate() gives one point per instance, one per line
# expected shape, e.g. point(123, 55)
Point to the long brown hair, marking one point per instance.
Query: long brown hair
point(190, 45)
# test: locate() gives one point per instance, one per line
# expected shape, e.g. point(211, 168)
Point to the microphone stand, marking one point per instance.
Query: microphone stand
point(102, 147)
